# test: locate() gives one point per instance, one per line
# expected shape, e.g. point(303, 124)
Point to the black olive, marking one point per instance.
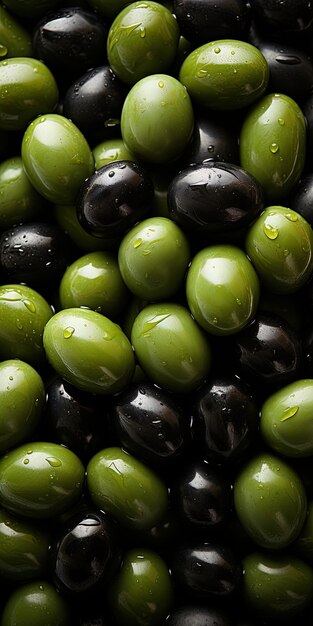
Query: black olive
point(201, 21)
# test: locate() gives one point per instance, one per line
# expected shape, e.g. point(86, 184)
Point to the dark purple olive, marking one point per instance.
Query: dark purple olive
point(206, 570)
point(225, 419)
point(94, 103)
point(197, 615)
point(291, 70)
point(201, 21)
point(213, 197)
point(215, 138)
point(282, 17)
point(114, 198)
point(150, 424)
point(301, 200)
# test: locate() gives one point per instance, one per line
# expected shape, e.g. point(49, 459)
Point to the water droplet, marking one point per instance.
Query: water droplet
point(68, 332)
point(238, 301)
point(112, 121)
point(146, 252)
point(19, 325)
point(26, 461)
point(289, 412)
point(281, 121)
point(146, 334)
point(292, 217)
point(53, 461)
point(42, 119)
point(3, 51)
point(142, 32)
point(214, 320)
point(137, 243)
point(30, 306)
point(210, 148)
point(274, 148)
point(161, 84)
point(111, 174)
point(270, 231)
point(29, 452)
point(217, 50)
point(10, 377)
point(232, 52)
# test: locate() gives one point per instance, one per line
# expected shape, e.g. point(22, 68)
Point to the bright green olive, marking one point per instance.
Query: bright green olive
point(153, 258)
point(273, 144)
point(225, 74)
point(89, 350)
point(141, 593)
point(171, 348)
point(142, 40)
point(270, 501)
point(304, 543)
point(40, 479)
point(22, 395)
point(37, 603)
point(280, 246)
point(157, 119)
point(66, 217)
point(120, 484)
point(24, 548)
point(20, 202)
point(222, 289)
point(28, 88)
point(15, 40)
point(94, 281)
point(286, 419)
point(30, 8)
point(111, 150)
point(279, 587)
point(56, 157)
point(24, 314)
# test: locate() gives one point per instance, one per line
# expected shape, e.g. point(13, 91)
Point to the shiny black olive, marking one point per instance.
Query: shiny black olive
point(291, 70)
point(277, 18)
point(215, 138)
point(197, 615)
point(150, 424)
point(114, 198)
point(302, 198)
point(94, 103)
point(214, 198)
point(225, 419)
point(201, 21)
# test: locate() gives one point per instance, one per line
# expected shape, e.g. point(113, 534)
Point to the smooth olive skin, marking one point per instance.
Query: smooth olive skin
point(225, 74)
point(204, 21)
point(22, 396)
point(89, 350)
point(142, 40)
point(206, 570)
point(52, 477)
point(291, 70)
point(222, 289)
point(15, 39)
point(273, 144)
point(58, 177)
point(270, 501)
point(153, 258)
point(66, 217)
point(170, 347)
point(150, 424)
point(24, 548)
point(121, 485)
point(277, 586)
point(24, 314)
point(225, 419)
point(36, 603)
point(85, 555)
point(285, 419)
point(280, 244)
point(20, 202)
point(114, 198)
point(214, 138)
point(94, 281)
point(167, 100)
point(197, 615)
point(28, 89)
point(141, 593)
point(111, 150)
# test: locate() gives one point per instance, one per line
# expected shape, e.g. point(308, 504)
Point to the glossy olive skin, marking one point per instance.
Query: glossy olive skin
point(213, 198)
point(170, 347)
point(66, 218)
point(280, 244)
point(204, 21)
point(225, 419)
point(22, 398)
point(273, 144)
point(86, 554)
point(218, 573)
point(52, 478)
point(15, 39)
point(285, 419)
point(291, 70)
point(225, 74)
point(277, 586)
point(89, 350)
point(114, 198)
point(111, 150)
point(36, 603)
point(214, 138)
point(141, 593)
point(197, 615)
point(94, 103)
point(150, 424)
point(121, 485)
point(24, 314)
point(270, 501)
point(20, 202)
point(70, 161)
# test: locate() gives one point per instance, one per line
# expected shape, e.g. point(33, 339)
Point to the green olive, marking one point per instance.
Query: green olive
point(51, 476)
point(222, 289)
point(171, 348)
point(36, 603)
point(109, 151)
point(89, 350)
point(120, 484)
point(66, 217)
point(15, 40)
point(270, 501)
point(22, 395)
point(273, 144)
point(280, 246)
point(28, 88)
point(20, 202)
point(56, 157)
point(225, 74)
point(141, 593)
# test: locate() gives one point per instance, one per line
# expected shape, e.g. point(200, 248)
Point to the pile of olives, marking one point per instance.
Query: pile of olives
point(156, 302)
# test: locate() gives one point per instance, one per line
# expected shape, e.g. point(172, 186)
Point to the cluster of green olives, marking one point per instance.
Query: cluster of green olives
point(156, 300)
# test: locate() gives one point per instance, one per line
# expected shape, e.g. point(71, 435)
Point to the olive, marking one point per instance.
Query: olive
point(15, 39)
point(111, 150)
point(20, 202)
point(214, 138)
point(66, 217)
point(301, 199)
point(293, 19)
point(204, 21)
point(304, 544)
point(197, 615)
point(291, 70)
point(36, 603)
